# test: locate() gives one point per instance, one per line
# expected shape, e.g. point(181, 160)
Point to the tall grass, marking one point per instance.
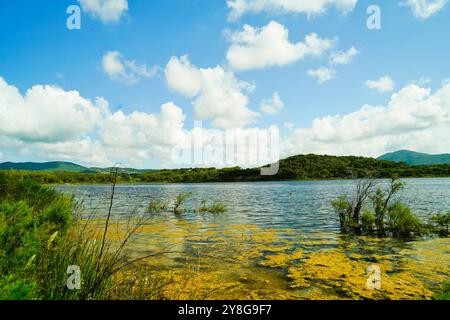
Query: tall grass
point(41, 235)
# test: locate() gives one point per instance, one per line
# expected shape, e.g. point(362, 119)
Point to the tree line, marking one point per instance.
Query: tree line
point(302, 167)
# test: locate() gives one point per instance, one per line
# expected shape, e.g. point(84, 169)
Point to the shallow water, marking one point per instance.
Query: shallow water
point(278, 240)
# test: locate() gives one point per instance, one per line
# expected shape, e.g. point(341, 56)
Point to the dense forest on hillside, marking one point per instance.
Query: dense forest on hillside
point(302, 167)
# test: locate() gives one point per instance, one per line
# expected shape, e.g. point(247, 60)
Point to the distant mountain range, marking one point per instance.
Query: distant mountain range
point(409, 157)
point(416, 158)
point(61, 166)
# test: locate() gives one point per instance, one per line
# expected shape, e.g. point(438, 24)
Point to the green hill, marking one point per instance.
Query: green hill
point(300, 167)
point(60, 166)
point(46, 166)
point(416, 158)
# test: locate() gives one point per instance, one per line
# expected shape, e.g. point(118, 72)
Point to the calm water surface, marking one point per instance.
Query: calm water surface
point(292, 205)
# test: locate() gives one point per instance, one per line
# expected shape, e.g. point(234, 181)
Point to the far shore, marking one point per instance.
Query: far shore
point(123, 183)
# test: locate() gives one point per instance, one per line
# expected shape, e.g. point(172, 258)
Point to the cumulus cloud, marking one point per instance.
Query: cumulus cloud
point(412, 118)
point(383, 84)
point(216, 93)
point(126, 71)
point(108, 11)
point(244, 147)
point(272, 105)
point(343, 57)
point(50, 123)
point(46, 113)
point(322, 74)
point(310, 8)
point(257, 48)
point(423, 9)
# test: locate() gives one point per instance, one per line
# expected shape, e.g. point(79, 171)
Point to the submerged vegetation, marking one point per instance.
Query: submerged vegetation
point(179, 206)
point(301, 167)
point(215, 207)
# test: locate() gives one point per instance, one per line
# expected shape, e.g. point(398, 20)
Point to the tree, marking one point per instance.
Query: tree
point(381, 200)
point(363, 191)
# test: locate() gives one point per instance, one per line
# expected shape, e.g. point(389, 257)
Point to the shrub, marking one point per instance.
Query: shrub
point(344, 208)
point(445, 292)
point(180, 200)
point(368, 220)
point(441, 220)
point(215, 207)
point(19, 238)
point(156, 206)
point(401, 221)
point(39, 240)
point(14, 289)
point(377, 211)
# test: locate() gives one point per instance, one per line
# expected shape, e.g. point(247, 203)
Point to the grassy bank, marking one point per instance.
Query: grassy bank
point(43, 243)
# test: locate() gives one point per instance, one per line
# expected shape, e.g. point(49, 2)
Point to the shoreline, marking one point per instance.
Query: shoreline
point(226, 182)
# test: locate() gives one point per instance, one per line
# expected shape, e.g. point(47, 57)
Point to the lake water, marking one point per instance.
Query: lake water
point(277, 240)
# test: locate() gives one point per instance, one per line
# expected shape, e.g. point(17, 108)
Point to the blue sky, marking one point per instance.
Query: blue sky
point(411, 49)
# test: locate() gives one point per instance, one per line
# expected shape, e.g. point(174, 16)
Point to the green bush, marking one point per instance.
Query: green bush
point(18, 235)
point(441, 220)
point(402, 222)
point(180, 200)
point(344, 208)
point(14, 289)
point(368, 220)
point(445, 292)
point(215, 207)
point(29, 215)
point(156, 206)
point(39, 240)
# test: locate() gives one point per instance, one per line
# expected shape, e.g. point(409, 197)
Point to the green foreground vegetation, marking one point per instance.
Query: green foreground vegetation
point(302, 167)
point(41, 236)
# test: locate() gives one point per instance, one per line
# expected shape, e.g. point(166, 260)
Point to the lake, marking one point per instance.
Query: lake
point(276, 240)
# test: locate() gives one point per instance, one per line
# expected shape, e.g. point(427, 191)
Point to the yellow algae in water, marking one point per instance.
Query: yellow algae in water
point(247, 262)
point(334, 272)
point(281, 260)
point(429, 259)
point(226, 282)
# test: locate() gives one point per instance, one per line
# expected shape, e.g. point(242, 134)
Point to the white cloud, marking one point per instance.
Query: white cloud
point(423, 9)
point(49, 123)
point(143, 135)
point(309, 7)
point(217, 94)
point(256, 48)
point(108, 11)
point(46, 113)
point(343, 57)
point(127, 71)
point(244, 147)
point(272, 105)
point(383, 84)
point(412, 118)
point(322, 74)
